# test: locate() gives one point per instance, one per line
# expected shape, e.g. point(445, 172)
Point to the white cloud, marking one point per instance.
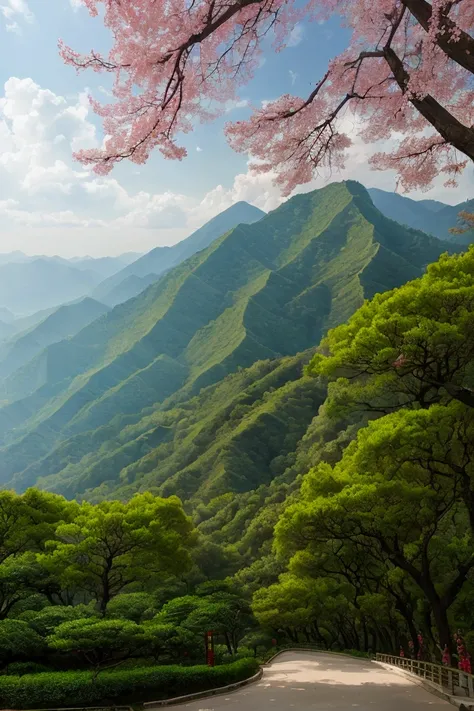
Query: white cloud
point(296, 35)
point(199, 149)
point(76, 4)
point(293, 76)
point(15, 12)
point(50, 201)
point(259, 189)
point(236, 104)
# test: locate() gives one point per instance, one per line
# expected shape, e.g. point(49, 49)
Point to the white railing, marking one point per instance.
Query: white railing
point(454, 681)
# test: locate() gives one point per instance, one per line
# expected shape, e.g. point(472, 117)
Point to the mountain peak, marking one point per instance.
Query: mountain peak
point(259, 292)
point(160, 259)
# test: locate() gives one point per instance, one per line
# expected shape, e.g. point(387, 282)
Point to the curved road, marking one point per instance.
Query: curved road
point(307, 681)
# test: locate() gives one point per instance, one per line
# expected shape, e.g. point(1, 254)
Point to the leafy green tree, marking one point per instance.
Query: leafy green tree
point(167, 640)
point(113, 544)
point(412, 346)
point(225, 614)
point(260, 639)
point(176, 611)
point(435, 447)
point(27, 521)
point(136, 606)
point(288, 606)
point(17, 582)
point(102, 644)
point(45, 621)
point(299, 604)
point(403, 516)
point(215, 561)
point(18, 642)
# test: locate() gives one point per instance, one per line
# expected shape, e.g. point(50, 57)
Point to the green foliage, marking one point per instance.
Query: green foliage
point(136, 606)
point(261, 291)
point(119, 687)
point(410, 347)
point(102, 643)
point(18, 641)
point(113, 544)
point(366, 482)
point(45, 621)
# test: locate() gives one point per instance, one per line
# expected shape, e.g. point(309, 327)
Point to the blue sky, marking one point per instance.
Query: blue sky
point(49, 204)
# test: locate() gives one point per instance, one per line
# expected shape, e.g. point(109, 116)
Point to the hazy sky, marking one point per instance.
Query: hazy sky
point(50, 204)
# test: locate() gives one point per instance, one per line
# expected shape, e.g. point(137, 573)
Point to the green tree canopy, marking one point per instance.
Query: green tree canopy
point(27, 521)
point(113, 544)
point(18, 641)
point(136, 606)
point(101, 643)
point(402, 515)
point(412, 346)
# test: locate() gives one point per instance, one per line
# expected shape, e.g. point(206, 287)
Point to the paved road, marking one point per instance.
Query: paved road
point(307, 681)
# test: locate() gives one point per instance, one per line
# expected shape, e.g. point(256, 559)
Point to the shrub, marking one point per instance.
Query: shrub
point(125, 686)
point(21, 668)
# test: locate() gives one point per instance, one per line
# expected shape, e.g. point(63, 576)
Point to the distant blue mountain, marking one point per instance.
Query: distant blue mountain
point(430, 216)
point(161, 259)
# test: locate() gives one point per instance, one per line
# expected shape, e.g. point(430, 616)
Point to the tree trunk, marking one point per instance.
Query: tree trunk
point(319, 636)
point(344, 638)
point(227, 641)
point(365, 635)
point(406, 614)
point(442, 625)
point(460, 49)
point(447, 125)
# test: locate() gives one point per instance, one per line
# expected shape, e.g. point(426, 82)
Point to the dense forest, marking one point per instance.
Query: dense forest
point(348, 524)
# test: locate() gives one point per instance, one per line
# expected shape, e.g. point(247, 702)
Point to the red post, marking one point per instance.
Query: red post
point(209, 648)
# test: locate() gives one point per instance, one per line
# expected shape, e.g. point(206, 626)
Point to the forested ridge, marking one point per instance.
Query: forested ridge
point(93, 411)
point(325, 497)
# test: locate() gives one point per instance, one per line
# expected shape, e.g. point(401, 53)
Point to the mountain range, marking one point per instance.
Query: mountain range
point(29, 284)
point(115, 405)
point(131, 280)
point(433, 217)
point(62, 323)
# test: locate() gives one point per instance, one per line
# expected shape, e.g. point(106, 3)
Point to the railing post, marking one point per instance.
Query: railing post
point(450, 681)
point(470, 686)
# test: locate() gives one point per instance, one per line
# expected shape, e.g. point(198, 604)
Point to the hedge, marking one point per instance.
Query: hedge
point(63, 689)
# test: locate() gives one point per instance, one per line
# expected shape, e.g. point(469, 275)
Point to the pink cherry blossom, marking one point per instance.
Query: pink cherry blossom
point(407, 75)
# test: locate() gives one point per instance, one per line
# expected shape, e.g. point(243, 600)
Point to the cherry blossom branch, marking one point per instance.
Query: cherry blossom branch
point(456, 43)
point(408, 67)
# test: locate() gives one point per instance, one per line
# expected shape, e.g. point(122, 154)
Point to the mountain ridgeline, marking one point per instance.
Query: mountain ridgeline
point(135, 277)
point(114, 408)
point(431, 216)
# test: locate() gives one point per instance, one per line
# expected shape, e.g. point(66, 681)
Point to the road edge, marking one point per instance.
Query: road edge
point(204, 694)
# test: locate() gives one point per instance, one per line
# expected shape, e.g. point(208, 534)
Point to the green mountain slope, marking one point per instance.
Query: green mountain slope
point(116, 289)
point(259, 292)
point(128, 288)
point(65, 321)
point(431, 216)
point(224, 439)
